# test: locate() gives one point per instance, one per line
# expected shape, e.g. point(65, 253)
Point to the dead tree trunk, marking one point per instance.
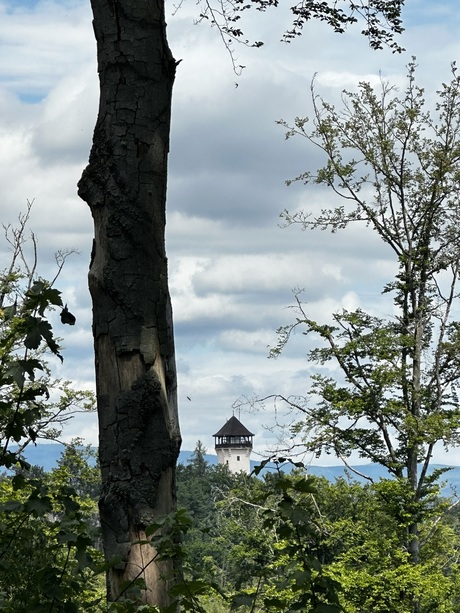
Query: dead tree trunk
point(125, 187)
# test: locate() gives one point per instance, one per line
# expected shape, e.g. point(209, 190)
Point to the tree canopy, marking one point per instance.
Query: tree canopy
point(392, 395)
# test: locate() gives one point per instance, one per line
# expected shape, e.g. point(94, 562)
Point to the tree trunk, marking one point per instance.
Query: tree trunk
point(125, 187)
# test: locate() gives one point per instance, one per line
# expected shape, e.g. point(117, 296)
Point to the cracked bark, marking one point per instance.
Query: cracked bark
point(125, 186)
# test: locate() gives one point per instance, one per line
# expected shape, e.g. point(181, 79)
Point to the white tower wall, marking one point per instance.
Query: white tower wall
point(236, 458)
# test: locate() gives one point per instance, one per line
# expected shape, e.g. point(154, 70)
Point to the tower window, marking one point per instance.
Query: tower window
point(237, 458)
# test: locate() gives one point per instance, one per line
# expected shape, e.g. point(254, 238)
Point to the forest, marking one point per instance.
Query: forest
point(132, 530)
point(282, 542)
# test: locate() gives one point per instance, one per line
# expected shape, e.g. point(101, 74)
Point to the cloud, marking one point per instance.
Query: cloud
point(63, 131)
point(41, 43)
point(232, 268)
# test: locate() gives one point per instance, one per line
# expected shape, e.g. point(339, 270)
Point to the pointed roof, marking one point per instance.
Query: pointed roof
point(233, 427)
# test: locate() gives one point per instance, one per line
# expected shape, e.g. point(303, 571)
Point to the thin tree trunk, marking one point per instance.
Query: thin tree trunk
point(125, 187)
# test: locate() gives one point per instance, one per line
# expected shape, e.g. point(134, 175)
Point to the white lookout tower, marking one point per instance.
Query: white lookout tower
point(233, 445)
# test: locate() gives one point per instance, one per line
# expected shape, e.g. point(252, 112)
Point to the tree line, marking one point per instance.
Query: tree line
point(282, 542)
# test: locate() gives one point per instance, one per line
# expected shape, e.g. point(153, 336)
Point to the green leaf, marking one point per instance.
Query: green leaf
point(327, 608)
point(307, 486)
point(152, 528)
point(18, 369)
point(37, 330)
point(274, 603)
point(11, 506)
point(39, 505)
point(18, 482)
point(242, 600)
point(257, 469)
point(41, 296)
point(187, 588)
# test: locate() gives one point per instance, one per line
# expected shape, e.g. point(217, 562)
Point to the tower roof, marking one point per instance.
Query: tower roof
point(233, 427)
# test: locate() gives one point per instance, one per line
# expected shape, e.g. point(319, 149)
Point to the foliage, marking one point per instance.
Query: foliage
point(362, 551)
point(381, 18)
point(392, 395)
point(287, 542)
point(292, 578)
point(79, 468)
point(47, 559)
point(200, 487)
point(257, 542)
point(265, 534)
point(32, 405)
point(396, 167)
point(278, 542)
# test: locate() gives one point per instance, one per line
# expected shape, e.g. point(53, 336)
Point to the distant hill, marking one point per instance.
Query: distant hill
point(47, 456)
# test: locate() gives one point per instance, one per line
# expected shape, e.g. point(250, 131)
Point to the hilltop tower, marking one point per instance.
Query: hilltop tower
point(233, 444)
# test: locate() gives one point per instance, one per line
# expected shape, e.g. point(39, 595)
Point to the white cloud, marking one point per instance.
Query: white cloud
point(232, 268)
point(65, 128)
point(248, 342)
point(43, 43)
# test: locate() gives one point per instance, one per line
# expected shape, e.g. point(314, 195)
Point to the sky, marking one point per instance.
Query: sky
point(232, 267)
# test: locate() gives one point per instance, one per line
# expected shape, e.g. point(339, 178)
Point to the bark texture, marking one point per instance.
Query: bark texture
point(125, 187)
